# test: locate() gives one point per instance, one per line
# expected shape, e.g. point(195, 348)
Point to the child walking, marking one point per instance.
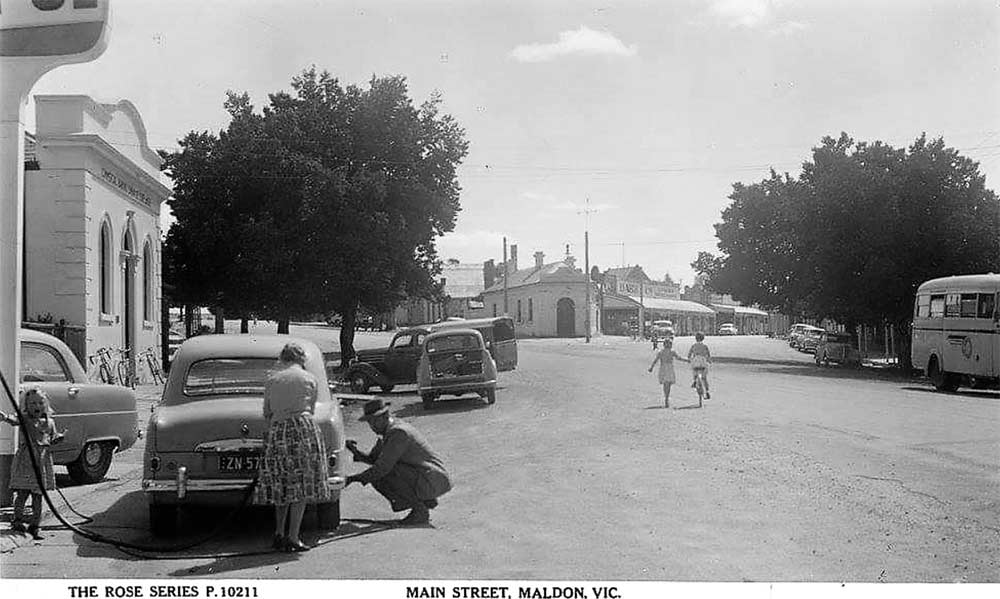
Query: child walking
point(37, 435)
point(666, 374)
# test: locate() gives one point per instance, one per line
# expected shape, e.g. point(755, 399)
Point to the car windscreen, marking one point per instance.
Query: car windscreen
point(452, 343)
point(228, 376)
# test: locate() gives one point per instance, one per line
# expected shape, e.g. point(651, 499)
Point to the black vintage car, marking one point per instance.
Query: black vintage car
point(397, 364)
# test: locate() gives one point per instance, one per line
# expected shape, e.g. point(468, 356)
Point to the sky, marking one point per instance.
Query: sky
point(631, 120)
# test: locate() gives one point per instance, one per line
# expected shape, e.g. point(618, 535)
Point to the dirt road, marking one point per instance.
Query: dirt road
point(790, 473)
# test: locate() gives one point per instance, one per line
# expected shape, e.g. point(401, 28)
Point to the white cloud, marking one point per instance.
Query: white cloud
point(754, 14)
point(583, 41)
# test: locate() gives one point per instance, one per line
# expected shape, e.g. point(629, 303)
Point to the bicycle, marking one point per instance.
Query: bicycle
point(153, 364)
point(103, 355)
point(126, 369)
point(699, 384)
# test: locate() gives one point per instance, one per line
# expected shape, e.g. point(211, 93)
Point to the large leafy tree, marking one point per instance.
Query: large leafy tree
point(331, 198)
point(854, 235)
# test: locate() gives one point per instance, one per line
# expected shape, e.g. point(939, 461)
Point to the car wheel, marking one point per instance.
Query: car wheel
point(386, 388)
point(359, 383)
point(328, 515)
point(162, 519)
point(943, 381)
point(93, 463)
point(428, 400)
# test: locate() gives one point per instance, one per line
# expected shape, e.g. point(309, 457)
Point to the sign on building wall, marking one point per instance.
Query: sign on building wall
point(649, 289)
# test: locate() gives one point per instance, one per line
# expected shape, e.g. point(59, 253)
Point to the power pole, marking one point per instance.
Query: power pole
point(586, 262)
point(506, 271)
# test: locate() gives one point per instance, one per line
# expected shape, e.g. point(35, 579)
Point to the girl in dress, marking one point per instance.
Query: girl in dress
point(37, 435)
point(666, 375)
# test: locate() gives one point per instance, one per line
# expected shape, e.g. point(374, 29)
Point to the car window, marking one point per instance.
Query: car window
point(503, 330)
point(401, 341)
point(452, 343)
point(228, 376)
point(41, 364)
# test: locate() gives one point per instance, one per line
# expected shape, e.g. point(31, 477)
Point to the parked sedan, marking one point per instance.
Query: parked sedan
point(727, 329)
point(455, 362)
point(809, 340)
point(98, 419)
point(837, 348)
point(205, 437)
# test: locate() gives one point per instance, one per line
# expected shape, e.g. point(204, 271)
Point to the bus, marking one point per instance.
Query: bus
point(956, 331)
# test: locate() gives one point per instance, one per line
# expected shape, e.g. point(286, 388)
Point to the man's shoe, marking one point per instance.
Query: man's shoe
point(296, 547)
point(35, 534)
point(416, 517)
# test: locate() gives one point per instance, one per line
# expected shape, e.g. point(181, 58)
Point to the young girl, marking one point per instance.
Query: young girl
point(41, 434)
point(666, 374)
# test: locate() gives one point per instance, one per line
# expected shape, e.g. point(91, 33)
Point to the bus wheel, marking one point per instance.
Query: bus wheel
point(943, 381)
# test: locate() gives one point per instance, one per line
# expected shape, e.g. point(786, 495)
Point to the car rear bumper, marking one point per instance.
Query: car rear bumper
point(457, 387)
point(179, 487)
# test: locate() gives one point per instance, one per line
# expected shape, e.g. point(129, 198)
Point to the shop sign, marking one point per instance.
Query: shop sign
point(51, 27)
point(125, 187)
point(657, 290)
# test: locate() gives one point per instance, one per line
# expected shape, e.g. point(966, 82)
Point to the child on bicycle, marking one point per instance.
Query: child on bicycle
point(700, 358)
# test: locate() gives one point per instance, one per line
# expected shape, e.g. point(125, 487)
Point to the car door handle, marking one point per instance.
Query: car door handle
point(72, 391)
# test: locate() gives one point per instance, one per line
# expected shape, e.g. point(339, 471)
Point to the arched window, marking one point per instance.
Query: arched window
point(147, 282)
point(104, 264)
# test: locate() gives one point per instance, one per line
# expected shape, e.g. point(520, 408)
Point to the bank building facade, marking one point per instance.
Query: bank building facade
point(92, 238)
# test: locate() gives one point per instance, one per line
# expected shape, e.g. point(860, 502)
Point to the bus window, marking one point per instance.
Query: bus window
point(503, 330)
point(951, 305)
point(986, 305)
point(968, 305)
point(937, 306)
point(923, 306)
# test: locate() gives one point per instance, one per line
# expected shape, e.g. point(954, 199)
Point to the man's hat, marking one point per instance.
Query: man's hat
point(375, 407)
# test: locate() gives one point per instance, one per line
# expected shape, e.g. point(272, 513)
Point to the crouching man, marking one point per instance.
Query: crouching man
point(404, 469)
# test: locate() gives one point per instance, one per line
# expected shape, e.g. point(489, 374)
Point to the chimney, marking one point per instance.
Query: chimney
point(570, 261)
point(539, 259)
point(489, 274)
point(513, 258)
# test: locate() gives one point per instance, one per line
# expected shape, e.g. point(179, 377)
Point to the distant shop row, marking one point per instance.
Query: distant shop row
point(549, 299)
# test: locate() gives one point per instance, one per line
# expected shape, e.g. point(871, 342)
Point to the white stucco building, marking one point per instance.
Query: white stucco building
point(93, 192)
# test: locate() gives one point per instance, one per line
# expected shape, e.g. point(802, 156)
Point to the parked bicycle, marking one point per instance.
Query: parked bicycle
point(153, 364)
point(102, 359)
point(126, 368)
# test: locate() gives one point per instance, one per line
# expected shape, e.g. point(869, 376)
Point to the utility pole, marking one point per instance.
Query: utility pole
point(505, 277)
point(586, 263)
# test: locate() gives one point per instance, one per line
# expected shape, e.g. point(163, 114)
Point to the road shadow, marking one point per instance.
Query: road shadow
point(466, 403)
point(658, 407)
point(836, 372)
point(978, 393)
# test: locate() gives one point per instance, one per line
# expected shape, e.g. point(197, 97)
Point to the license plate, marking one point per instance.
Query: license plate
point(239, 463)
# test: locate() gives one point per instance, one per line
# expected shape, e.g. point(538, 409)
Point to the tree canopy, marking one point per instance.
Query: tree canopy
point(328, 199)
point(854, 235)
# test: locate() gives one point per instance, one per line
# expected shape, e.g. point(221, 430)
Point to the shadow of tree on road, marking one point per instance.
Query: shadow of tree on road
point(960, 393)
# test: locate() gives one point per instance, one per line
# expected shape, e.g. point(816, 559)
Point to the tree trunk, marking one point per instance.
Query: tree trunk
point(903, 340)
point(244, 325)
point(347, 352)
point(188, 321)
point(220, 321)
point(283, 325)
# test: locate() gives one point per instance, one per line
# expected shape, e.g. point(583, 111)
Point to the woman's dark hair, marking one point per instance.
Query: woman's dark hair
point(293, 353)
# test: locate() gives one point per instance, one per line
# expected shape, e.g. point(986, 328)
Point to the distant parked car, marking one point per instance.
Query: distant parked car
point(727, 329)
point(456, 362)
point(662, 329)
point(99, 419)
point(206, 436)
point(809, 340)
point(837, 348)
point(797, 331)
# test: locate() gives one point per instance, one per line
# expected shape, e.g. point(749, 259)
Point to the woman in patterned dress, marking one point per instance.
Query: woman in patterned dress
point(666, 375)
point(294, 470)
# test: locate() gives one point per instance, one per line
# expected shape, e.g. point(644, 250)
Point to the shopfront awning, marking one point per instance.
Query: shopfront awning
point(614, 301)
point(741, 310)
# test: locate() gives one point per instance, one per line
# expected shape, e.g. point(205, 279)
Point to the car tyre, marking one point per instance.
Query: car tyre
point(162, 519)
point(359, 383)
point(428, 400)
point(491, 396)
point(328, 515)
point(93, 462)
